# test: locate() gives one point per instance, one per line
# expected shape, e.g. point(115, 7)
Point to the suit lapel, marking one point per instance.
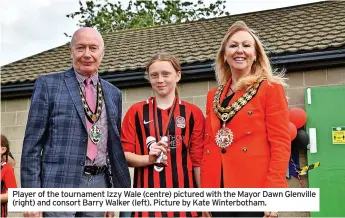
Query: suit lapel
point(215, 121)
point(109, 106)
point(73, 89)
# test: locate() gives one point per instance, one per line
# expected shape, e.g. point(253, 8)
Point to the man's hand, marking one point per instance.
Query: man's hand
point(33, 214)
point(109, 214)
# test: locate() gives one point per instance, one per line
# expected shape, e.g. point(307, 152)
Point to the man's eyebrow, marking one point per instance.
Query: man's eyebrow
point(87, 44)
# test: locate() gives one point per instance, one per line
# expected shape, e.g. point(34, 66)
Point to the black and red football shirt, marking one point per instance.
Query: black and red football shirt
point(186, 141)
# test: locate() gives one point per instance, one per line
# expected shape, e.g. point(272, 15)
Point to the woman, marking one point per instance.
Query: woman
point(247, 143)
point(8, 179)
point(147, 122)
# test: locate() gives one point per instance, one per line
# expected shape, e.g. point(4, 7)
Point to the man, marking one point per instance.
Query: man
point(72, 136)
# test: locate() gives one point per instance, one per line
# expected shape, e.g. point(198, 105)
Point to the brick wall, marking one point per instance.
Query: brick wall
point(14, 112)
point(14, 115)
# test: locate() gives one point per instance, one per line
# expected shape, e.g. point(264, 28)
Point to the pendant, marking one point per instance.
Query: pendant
point(225, 117)
point(224, 137)
point(94, 118)
point(95, 134)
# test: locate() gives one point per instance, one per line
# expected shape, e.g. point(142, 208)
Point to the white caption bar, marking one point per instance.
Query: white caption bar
point(159, 199)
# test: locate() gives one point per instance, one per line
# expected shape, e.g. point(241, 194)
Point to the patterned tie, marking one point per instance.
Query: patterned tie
point(90, 99)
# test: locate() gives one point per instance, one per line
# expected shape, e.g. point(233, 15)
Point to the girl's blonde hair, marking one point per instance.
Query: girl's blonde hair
point(174, 61)
point(260, 67)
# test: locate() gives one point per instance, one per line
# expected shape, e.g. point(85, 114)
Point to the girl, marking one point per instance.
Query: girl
point(164, 124)
point(8, 179)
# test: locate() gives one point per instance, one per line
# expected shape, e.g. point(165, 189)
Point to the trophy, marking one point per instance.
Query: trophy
point(159, 163)
point(160, 160)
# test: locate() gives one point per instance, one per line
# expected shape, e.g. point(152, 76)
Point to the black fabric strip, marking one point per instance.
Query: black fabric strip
point(173, 156)
point(185, 148)
point(162, 177)
point(162, 174)
point(154, 113)
point(140, 138)
point(185, 167)
point(146, 116)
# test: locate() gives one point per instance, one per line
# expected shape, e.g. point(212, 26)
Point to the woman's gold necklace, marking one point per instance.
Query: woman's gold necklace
point(225, 136)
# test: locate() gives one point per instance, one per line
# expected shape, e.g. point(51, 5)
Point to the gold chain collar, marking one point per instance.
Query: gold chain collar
point(225, 113)
point(93, 117)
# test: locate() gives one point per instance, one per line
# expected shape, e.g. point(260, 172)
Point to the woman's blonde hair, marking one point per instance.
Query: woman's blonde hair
point(260, 67)
point(174, 61)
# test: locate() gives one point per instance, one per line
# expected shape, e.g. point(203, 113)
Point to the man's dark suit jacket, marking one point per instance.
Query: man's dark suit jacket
point(55, 142)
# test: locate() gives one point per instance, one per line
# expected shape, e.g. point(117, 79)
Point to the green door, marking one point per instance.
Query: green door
point(325, 107)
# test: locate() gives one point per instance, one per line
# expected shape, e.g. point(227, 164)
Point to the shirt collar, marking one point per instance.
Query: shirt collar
point(81, 78)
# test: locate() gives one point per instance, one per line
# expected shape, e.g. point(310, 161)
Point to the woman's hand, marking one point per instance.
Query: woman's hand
point(206, 214)
point(156, 150)
point(271, 214)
